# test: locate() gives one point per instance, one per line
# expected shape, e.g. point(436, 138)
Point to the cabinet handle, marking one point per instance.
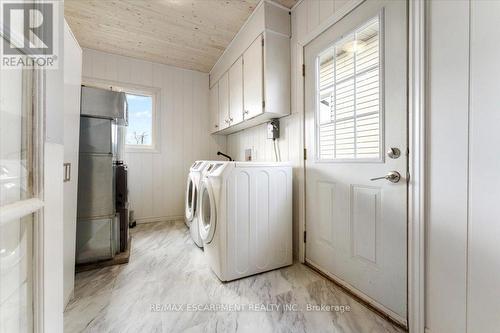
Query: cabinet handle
point(246, 112)
point(67, 172)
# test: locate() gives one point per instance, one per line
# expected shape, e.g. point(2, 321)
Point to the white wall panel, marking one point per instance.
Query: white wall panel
point(447, 154)
point(483, 297)
point(312, 14)
point(462, 230)
point(326, 9)
point(157, 179)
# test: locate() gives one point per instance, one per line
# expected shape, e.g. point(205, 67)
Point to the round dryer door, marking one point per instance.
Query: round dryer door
point(208, 217)
point(190, 199)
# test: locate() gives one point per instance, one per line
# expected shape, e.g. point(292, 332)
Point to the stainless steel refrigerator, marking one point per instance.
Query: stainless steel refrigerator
point(103, 114)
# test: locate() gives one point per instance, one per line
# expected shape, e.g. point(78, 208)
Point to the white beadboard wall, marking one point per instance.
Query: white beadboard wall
point(157, 180)
point(309, 17)
point(462, 257)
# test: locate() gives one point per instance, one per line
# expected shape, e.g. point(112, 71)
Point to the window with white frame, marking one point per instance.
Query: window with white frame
point(349, 108)
point(140, 130)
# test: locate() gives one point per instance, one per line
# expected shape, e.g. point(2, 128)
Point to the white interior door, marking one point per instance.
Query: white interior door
point(356, 111)
point(253, 93)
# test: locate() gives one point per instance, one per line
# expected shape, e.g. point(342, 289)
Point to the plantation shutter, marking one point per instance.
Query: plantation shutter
point(349, 97)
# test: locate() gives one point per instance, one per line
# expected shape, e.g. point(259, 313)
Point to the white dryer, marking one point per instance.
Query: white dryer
point(245, 217)
point(192, 198)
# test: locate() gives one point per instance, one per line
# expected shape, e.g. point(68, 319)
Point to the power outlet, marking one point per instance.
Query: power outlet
point(248, 154)
point(273, 129)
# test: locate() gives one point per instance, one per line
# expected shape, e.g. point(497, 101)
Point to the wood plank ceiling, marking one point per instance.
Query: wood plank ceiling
point(189, 34)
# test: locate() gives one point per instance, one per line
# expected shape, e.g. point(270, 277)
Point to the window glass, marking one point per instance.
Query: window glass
point(15, 136)
point(349, 108)
point(140, 121)
point(17, 178)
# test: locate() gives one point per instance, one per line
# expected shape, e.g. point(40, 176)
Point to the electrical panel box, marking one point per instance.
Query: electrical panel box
point(273, 129)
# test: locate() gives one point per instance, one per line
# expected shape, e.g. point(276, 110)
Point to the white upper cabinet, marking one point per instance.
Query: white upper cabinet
point(224, 102)
point(236, 92)
point(253, 74)
point(253, 79)
point(214, 108)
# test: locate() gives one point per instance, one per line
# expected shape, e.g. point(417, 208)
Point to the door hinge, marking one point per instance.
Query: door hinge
point(305, 154)
point(262, 41)
point(303, 70)
point(305, 236)
point(263, 104)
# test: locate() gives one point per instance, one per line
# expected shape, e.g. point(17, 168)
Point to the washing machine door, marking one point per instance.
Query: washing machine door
point(190, 199)
point(208, 218)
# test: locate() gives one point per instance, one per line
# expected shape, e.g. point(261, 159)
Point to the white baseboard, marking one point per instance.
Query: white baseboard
point(159, 219)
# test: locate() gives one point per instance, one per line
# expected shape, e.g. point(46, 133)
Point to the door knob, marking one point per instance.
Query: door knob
point(392, 176)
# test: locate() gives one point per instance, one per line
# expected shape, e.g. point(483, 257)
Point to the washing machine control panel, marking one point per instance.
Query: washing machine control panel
point(215, 168)
point(197, 166)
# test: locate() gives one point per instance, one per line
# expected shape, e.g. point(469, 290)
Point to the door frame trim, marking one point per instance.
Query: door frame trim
point(417, 73)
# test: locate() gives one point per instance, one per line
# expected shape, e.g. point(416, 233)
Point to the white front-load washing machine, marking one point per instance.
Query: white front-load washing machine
point(192, 198)
point(245, 217)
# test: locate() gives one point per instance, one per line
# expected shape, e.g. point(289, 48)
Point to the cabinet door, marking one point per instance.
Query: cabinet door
point(253, 95)
point(236, 92)
point(214, 108)
point(224, 101)
point(72, 89)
